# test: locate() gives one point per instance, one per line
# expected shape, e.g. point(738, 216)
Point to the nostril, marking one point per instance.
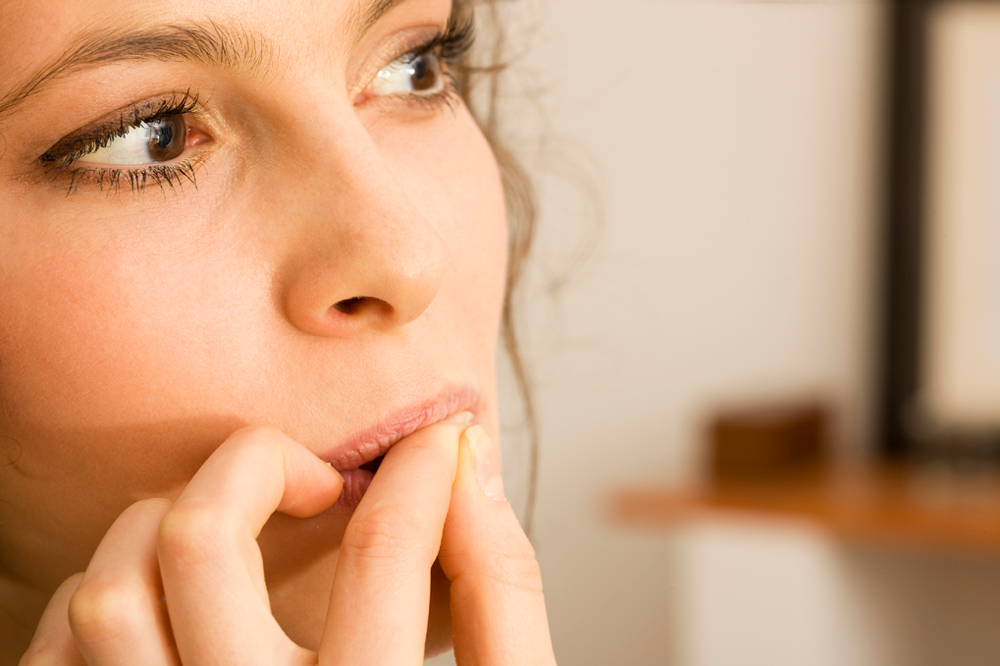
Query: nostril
point(350, 306)
point(364, 307)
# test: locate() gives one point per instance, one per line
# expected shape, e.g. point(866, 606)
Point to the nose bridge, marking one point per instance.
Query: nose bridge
point(365, 257)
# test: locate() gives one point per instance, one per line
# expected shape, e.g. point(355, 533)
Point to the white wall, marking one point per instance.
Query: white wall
point(734, 148)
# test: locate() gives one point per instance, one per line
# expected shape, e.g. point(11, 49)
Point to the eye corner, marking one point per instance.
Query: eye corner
point(364, 96)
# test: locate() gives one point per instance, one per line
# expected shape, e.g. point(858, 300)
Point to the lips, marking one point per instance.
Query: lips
point(358, 458)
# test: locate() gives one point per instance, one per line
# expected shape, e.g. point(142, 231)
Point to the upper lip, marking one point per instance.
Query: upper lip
point(373, 441)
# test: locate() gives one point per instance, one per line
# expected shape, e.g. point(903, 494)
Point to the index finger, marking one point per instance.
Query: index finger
point(53, 642)
point(210, 563)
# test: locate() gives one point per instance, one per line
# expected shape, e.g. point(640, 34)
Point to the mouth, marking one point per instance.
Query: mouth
point(373, 465)
point(358, 458)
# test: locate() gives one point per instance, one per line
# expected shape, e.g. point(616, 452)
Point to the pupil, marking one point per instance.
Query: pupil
point(166, 138)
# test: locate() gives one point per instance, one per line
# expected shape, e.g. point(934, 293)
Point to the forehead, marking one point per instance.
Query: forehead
point(39, 32)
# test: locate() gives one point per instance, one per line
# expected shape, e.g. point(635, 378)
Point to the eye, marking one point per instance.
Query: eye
point(412, 73)
point(149, 142)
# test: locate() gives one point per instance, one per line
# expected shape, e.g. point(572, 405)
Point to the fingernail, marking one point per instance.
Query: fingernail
point(330, 465)
point(460, 417)
point(487, 462)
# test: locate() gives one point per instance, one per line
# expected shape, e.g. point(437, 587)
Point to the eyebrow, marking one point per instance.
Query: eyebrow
point(211, 43)
point(363, 16)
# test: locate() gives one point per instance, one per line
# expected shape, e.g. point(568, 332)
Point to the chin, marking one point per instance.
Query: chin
point(299, 580)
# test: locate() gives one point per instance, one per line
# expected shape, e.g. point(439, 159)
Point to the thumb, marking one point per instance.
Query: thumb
point(497, 607)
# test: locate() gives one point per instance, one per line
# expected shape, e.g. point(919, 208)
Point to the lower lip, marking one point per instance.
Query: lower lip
point(356, 482)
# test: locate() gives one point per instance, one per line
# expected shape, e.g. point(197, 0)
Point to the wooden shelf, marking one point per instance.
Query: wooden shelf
point(917, 507)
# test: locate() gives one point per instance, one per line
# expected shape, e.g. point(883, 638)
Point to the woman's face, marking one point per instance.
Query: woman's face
point(306, 231)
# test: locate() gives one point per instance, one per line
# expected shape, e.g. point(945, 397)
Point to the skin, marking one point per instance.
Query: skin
point(174, 374)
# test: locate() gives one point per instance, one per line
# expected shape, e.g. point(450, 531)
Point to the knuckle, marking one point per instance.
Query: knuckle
point(385, 533)
point(262, 443)
point(190, 534)
point(257, 437)
point(517, 568)
point(104, 609)
point(514, 569)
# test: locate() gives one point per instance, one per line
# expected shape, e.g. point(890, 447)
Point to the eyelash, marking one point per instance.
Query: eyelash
point(60, 161)
point(452, 46)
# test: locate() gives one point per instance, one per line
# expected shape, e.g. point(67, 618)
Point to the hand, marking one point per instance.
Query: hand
point(183, 583)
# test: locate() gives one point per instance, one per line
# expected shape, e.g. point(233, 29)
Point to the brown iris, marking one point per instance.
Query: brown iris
point(166, 138)
point(423, 74)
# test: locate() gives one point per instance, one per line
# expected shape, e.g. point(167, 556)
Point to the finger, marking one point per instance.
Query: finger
point(53, 643)
point(381, 592)
point(116, 614)
point(211, 565)
point(497, 608)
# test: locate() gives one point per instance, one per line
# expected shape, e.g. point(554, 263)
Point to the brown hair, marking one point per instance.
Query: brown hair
point(519, 196)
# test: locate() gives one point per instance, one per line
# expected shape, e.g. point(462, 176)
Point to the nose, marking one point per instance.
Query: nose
point(367, 259)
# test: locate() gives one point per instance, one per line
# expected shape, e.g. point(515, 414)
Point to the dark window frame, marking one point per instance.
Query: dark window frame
point(902, 246)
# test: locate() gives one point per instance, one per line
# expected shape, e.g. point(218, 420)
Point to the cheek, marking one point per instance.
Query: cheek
point(104, 345)
point(87, 341)
point(109, 316)
point(452, 178)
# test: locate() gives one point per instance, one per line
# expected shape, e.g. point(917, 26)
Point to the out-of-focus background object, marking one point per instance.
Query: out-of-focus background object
point(940, 349)
point(776, 229)
point(764, 443)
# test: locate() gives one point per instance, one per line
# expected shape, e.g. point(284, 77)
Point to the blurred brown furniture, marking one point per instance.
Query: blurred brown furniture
point(907, 506)
point(758, 441)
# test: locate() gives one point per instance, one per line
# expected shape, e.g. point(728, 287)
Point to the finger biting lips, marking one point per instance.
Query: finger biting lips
point(356, 483)
point(359, 459)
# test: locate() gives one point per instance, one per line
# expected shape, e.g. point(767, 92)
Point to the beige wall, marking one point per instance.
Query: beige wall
point(735, 145)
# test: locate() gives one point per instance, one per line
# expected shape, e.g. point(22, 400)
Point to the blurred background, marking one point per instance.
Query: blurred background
point(713, 181)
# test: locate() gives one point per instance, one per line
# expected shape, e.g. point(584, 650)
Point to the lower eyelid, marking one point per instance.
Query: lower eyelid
point(113, 179)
